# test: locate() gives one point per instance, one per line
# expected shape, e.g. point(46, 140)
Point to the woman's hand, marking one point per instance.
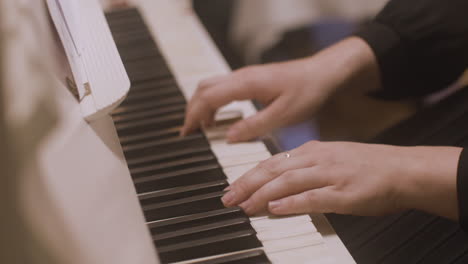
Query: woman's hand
point(351, 178)
point(291, 91)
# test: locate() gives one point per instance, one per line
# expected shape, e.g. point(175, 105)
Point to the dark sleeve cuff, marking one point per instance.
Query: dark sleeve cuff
point(391, 54)
point(462, 190)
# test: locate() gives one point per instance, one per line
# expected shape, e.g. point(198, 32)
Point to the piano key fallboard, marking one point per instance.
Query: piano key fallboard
point(179, 181)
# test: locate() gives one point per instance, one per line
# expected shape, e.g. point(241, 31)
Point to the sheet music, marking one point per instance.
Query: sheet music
point(98, 71)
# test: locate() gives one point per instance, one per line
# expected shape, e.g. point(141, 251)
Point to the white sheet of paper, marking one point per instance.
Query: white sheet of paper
point(97, 68)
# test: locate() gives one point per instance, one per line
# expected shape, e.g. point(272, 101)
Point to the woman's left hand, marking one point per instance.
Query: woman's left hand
point(350, 178)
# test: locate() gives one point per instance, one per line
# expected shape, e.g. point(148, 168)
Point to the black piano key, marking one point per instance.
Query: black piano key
point(172, 101)
point(203, 231)
point(193, 220)
point(160, 146)
point(130, 39)
point(163, 106)
point(142, 52)
point(165, 157)
point(182, 192)
point(153, 85)
point(121, 36)
point(250, 257)
point(133, 42)
point(127, 25)
point(151, 113)
point(150, 135)
point(160, 122)
point(195, 175)
point(153, 94)
point(150, 65)
point(186, 163)
point(220, 244)
point(148, 69)
point(123, 13)
point(157, 146)
point(152, 98)
point(191, 205)
point(129, 28)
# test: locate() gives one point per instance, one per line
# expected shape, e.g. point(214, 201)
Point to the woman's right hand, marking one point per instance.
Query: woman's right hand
point(291, 91)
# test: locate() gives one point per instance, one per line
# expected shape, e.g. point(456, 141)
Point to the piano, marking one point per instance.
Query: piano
point(124, 187)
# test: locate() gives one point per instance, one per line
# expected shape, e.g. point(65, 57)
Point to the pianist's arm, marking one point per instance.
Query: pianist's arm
point(411, 49)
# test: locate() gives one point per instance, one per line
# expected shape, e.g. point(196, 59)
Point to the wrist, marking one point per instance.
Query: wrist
point(350, 62)
point(427, 180)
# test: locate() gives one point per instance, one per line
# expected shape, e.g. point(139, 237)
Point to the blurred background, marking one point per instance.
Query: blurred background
point(263, 31)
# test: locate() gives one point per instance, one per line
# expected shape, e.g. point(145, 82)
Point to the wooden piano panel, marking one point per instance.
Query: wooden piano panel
point(74, 198)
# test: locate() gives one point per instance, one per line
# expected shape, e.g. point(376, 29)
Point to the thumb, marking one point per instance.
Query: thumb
point(258, 124)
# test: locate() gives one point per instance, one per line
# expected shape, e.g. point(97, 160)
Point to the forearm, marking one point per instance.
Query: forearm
point(348, 63)
point(428, 180)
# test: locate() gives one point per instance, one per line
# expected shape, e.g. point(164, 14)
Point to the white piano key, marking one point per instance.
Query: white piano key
point(222, 149)
point(273, 222)
point(216, 132)
point(279, 233)
point(289, 243)
point(233, 173)
point(233, 161)
point(316, 254)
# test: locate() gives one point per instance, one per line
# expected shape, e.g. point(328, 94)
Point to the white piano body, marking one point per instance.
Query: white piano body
point(73, 189)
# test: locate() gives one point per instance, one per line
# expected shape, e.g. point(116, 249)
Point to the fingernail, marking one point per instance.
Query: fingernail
point(274, 205)
point(232, 136)
point(228, 198)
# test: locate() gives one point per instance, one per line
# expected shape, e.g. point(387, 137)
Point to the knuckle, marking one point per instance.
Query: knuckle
point(311, 197)
point(249, 75)
point(249, 126)
point(202, 85)
point(204, 95)
point(241, 187)
point(288, 178)
point(269, 167)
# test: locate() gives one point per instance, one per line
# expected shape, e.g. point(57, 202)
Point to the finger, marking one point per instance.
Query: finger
point(204, 84)
point(265, 171)
point(193, 120)
point(322, 200)
point(289, 183)
point(213, 80)
point(219, 91)
point(259, 124)
point(213, 95)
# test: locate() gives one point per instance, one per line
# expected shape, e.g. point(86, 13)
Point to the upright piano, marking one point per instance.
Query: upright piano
point(124, 187)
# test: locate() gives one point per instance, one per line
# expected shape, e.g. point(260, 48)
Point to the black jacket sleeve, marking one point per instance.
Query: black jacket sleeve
point(462, 189)
point(421, 45)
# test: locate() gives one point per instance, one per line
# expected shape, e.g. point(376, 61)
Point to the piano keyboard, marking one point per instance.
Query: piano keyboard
point(179, 181)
